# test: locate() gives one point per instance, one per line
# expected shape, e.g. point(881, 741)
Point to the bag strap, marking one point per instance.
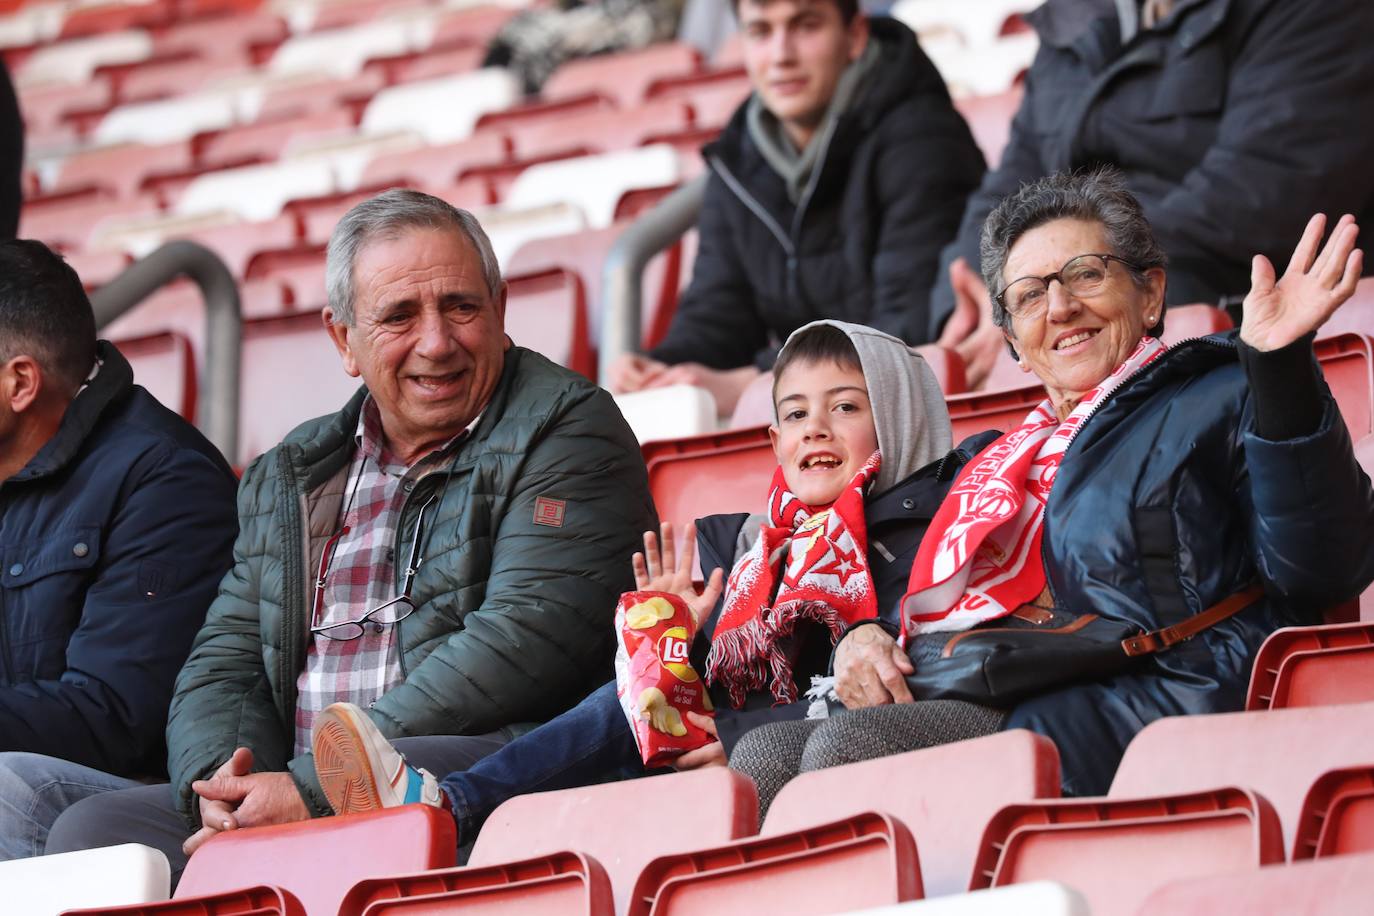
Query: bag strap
point(1149, 643)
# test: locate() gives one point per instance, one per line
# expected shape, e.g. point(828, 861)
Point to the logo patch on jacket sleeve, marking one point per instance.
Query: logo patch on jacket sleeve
point(549, 511)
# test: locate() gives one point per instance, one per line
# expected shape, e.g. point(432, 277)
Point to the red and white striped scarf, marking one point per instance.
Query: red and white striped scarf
point(822, 554)
point(981, 557)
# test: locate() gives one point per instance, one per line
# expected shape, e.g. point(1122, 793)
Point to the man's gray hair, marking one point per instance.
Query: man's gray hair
point(1098, 196)
point(385, 217)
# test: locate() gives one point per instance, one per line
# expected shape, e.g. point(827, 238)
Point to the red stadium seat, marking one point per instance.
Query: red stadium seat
point(1347, 362)
point(318, 861)
point(298, 97)
point(1325, 887)
point(624, 76)
point(121, 170)
point(69, 221)
point(1314, 666)
point(1001, 410)
point(113, 17)
point(704, 475)
point(1337, 815)
point(945, 815)
point(248, 901)
point(263, 141)
point(1184, 322)
point(165, 364)
point(435, 164)
point(562, 882)
point(1356, 316)
point(989, 119)
point(231, 37)
point(96, 268)
point(863, 861)
point(238, 243)
point(623, 825)
point(714, 95)
point(294, 276)
point(547, 312)
point(406, 68)
point(472, 27)
point(48, 107)
point(1277, 752)
point(596, 130)
point(1117, 851)
point(160, 79)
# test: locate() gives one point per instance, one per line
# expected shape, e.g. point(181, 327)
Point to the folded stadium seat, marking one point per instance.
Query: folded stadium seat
point(1183, 322)
point(319, 15)
point(536, 109)
point(269, 97)
point(1042, 898)
point(623, 76)
point(946, 816)
point(319, 215)
point(165, 364)
point(438, 163)
point(348, 153)
point(265, 140)
point(623, 825)
point(1277, 752)
point(584, 253)
point(167, 120)
point(121, 169)
point(111, 876)
point(248, 901)
point(473, 26)
point(76, 60)
point(70, 221)
point(547, 312)
point(47, 106)
point(1347, 362)
point(462, 99)
point(989, 118)
point(978, 23)
point(426, 65)
point(96, 268)
point(1337, 815)
point(714, 95)
point(285, 280)
point(566, 883)
point(233, 37)
point(177, 308)
point(25, 24)
point(1324, 887)
point(140, 234)
point(638, 201)
point(1000, 410)
point(508, 227)
point(708, 474)
point(866, 859)
point(1356, 315)
point(256, 192)
point(341, 52)
point(595, 183)
point(667, 413)
point(1314, 666)
point(83, 21)
point(163, 79)
point(597, 130)
point(1117, 851)
point(291, 372)
point(500, 176)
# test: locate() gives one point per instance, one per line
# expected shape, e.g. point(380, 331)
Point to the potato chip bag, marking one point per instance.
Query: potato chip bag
point(654, 677)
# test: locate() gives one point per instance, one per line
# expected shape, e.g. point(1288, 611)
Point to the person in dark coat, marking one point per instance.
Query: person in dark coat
point(831, 192)
point(1151, 485)
point(825, 373)
point(117, 521)
point(1231, 120)
point(11, 157)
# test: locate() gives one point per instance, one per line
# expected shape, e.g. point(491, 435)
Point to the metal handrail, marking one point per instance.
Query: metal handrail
point(218, 406)
point(622, 276)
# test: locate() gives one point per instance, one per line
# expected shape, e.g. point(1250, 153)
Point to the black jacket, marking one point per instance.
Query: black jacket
point(11, 157)
point(861, 246)
point(1233, 121)
point(1167, 502)
point(896, 520)
point(114, 539)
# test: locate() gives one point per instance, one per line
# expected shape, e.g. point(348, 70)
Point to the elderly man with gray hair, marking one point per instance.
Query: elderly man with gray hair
point(445, 552)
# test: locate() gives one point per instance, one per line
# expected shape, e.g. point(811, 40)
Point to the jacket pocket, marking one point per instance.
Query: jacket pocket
point(44, 581)
point(1190, 84)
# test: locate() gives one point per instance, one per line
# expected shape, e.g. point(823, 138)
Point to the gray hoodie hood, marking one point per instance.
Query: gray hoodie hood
point(909, 411)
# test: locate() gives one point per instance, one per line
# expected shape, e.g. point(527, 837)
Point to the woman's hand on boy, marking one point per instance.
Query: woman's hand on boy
point(871, 669)
point(712, 755)
point(667, 570)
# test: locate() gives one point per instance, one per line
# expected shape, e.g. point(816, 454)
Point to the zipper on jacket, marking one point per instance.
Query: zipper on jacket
point(295, 621)
point(756, 208)
point(1133, 377)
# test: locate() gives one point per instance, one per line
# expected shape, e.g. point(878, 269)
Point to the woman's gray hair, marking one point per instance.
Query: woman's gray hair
point(1098, 196)
point(384, 217)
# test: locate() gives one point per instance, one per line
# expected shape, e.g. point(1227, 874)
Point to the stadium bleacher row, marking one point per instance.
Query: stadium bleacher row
point(251, 126)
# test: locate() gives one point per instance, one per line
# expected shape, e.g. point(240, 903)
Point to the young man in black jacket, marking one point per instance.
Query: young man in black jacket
point(831, 192)
point(11, 157)
point(117, 521)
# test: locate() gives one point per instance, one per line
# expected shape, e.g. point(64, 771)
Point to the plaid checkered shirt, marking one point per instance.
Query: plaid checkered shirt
point(362, 576)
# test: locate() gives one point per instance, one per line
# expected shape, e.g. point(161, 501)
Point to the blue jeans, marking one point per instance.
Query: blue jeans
point(35, 789)
point(590, 743)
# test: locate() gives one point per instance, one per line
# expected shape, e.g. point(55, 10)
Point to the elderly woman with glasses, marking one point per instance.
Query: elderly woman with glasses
point(1152, 485)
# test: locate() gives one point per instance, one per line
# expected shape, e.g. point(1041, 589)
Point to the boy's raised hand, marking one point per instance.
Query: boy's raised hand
point(664, 570)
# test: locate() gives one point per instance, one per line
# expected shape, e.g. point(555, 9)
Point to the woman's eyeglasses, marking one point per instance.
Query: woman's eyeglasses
point(1083, 276)
point(393, 611)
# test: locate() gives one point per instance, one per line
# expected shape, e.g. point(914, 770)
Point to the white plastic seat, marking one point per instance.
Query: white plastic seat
point(1043, 898)
point(668, 413)
point(35, 24)
point(257, 192)
point(441, 110)
point(342, 52)
point(508, 229)
point(167, 120)
point(75, 60)
point(984, 70)
point(979, 22)
point(112, 876)
point(596, 183)
point(348, 156)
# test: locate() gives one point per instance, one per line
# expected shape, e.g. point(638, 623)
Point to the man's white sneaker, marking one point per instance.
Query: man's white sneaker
point(358, 768)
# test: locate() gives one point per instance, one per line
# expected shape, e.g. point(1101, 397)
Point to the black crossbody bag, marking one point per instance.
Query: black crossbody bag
point(1035, 649)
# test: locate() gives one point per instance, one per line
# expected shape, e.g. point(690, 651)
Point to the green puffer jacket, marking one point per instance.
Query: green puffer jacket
point(513, 619)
